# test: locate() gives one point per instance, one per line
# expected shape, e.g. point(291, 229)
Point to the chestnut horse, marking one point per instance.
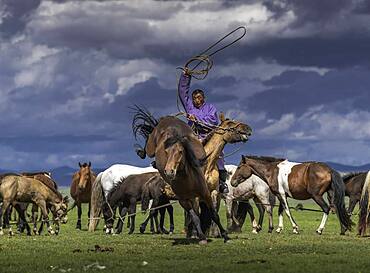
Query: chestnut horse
point(179, 157)
point(82, 181)
point(300, 181)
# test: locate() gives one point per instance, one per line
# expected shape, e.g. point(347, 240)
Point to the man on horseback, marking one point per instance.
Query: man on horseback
point(200, 114)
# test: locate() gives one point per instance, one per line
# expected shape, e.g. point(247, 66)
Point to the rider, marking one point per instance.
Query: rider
point(198, 110)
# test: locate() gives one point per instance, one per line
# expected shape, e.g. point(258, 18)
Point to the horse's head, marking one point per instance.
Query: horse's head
point(175, 152)
point(233, 131)
point(84, 174)
point(243, 172)
point(60, 210)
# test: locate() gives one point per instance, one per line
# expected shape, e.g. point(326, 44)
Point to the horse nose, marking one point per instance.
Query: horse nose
point(170, 173)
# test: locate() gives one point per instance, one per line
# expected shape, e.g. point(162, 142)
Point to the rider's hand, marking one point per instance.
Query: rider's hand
point(186, 71)
point(191, 117)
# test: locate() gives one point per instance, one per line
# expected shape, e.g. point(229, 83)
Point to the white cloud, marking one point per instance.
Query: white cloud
point(280, 126)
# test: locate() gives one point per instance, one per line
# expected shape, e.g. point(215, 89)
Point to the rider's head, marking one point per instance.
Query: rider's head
point(198, 98)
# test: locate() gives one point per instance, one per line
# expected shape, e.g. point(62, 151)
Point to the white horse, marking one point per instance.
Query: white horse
point(105, 183)
point(254, 187)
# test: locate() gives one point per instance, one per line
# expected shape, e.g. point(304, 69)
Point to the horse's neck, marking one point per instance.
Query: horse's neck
point(265, 172)
point(213, 149)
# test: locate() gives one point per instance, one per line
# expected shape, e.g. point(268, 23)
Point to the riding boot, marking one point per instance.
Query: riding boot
point(223, 188)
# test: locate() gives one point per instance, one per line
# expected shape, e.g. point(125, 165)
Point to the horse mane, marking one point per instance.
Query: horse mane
point(143, 122)
point(265, 158)
point(34, 173)
point(350, 175)
point(189, 152)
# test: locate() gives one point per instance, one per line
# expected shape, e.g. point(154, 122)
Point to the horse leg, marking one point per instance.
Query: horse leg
point(162, 214)
point(214, 231)
point(35, 210)
point(88, 215)
point(281, 218)
point(145, 223)
point(120, 223)
point(282, 198)
point(188, 207)
point(261, 211)
point(352, 204)
point(132, 210)
point(170, 214)
point(4, 209)
point(22, 216)
point(229, 213)
point(79, 213)
point(45, 217)
point(249, 210)
point(320, 201)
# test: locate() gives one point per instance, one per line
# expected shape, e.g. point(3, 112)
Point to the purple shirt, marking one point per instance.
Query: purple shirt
point(207, 113)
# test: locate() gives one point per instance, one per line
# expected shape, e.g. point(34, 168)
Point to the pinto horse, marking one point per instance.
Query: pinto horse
point(364, 220)
point(105, 182)
point(81, 186)
point(300, 181)
point(179, 157)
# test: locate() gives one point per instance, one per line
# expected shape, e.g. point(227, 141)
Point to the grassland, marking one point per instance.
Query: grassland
point(74, 250)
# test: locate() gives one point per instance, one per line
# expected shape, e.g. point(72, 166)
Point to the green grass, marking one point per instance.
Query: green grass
point(71, 251)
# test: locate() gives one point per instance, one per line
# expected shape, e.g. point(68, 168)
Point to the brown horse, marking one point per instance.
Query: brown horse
point(179, 157)
point(80, 190)
point(45, 178)
point(354, 183)
point(300, 181)
point(20, 189)
point(229, 131)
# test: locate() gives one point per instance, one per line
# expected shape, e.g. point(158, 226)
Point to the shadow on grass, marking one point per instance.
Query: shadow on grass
point(185, 241)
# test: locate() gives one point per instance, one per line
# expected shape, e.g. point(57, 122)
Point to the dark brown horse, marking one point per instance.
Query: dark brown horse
point(179, 157)
point(21, 189)
point(354, 183)
point(160, 192)
point(80, 190)
point(300, 181)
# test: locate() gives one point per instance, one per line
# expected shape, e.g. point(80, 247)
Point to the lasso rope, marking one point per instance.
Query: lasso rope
point(204, 57)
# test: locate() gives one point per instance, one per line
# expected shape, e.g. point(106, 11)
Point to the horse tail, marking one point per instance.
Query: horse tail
point(145, 197)
point(338, 187)
point(363, 220)
point(97, 199)
point(205, 217)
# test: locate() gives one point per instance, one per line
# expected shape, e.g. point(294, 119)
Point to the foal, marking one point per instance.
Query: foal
point(300, 181)
point(157, 190)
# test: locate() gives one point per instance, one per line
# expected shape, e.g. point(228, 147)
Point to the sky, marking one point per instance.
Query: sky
point(70, 70)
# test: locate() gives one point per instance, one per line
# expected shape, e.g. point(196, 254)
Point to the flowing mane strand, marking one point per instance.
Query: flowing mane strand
point(143, 122)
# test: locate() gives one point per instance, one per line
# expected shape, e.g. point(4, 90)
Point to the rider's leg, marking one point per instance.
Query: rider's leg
point(222, 175)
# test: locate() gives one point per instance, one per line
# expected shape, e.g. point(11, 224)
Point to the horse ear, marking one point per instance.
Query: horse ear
point(222, 117)
point(79, 164)
point(89, 164)
point(244, 159)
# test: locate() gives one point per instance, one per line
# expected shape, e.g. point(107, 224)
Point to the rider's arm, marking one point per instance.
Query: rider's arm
point(184, 87)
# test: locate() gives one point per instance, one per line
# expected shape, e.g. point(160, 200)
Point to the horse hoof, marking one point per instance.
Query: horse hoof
point(319, 232)
point(254, 231)
point(295, 231)
point(203, 242)
point(171, 233)
point(11, 233)
point(142, 229)
point(279, 230)
point(1, 232)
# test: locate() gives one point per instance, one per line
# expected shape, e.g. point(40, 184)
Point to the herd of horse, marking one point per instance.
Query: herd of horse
point(185, 170)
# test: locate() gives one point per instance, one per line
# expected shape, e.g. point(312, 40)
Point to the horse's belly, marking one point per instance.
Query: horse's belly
point(299, 193)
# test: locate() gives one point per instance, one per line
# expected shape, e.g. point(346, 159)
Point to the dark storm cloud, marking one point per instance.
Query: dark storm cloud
point(52, 144)
point(17, 13)
point(295, 92)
